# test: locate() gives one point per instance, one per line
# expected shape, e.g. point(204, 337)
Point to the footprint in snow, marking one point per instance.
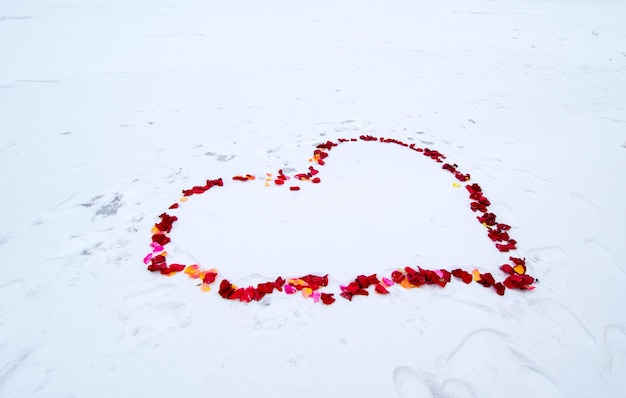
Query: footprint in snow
point(148, 314)
point(410, 384)
point(490, 357)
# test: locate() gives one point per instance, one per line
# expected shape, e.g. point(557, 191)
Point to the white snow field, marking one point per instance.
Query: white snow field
point(109, 109)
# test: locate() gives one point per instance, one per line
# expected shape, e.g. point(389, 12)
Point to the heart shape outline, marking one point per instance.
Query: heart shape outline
point(310, 285)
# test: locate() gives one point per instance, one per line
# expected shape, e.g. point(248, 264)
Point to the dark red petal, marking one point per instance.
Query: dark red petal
point(397, 276)
point(507, 268)
point(177, 267)
point(373, 279)
point(353, 287)
point(363, 281)
point(267, 287)
point(226, 289)
point(381, 289)
point(161, 239)
point(499, 288)
point(488, 277)
point(463, 275)
point(518, 261)
point(504, 227)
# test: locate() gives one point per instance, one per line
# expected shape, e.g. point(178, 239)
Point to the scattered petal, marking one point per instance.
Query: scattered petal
point(499, 288)
point(177, 267)
point(388, 282)
point(476, 274)
point(316, 296)
point(381, 289)
point(327, 298)
point(465, 276)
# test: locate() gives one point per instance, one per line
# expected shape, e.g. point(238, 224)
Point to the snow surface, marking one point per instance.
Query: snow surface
point(108, 109)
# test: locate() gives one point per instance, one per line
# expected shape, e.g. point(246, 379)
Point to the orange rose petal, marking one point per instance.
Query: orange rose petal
point(205, 288)
point(476, 274)
point(406, 284)
point(519, 269)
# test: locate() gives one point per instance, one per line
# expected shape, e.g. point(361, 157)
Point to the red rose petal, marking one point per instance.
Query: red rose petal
point(381, 289)
point(161, 239)
point(465, 276)
point(177, 267)
point(499, 288)
point(397, 276)
point(507, 269)
point(209, 277)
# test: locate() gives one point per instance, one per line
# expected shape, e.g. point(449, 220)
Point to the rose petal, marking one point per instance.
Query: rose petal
point(327, 298)
point(381, 289)
point(388, 282)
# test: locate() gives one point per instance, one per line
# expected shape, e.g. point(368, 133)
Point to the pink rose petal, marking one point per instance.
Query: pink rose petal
point(316, 296)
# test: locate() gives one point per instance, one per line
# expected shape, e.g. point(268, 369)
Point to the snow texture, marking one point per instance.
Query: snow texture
point(108, 109)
